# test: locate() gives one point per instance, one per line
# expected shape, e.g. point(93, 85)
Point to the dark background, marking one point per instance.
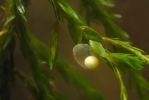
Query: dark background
point(41, 18)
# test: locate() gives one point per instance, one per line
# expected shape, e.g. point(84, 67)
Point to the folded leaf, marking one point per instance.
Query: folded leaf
point(98, 48)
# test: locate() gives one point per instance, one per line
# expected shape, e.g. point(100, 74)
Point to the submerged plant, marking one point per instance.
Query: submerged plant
point(90, 46)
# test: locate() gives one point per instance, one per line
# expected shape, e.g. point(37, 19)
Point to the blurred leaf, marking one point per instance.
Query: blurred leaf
point(68, 72)
point(71, 75)
point(91, 34)
point(106, 3)
point(8, 28)
point(45, 91)
point(26, 3)
point(43, 52)
point(60, 96)
point(7, 45)
point(29, 84)
point(9, 19)
point(104, 18)
point(98, 48)
point(39, 46)
point(140, 84)
point(21, 9)
point(55, 8)
point(9, 35)
point(89, 17)
point(114, 31)
point(7, 78)
point(115, 16)
point(53, 49)
point(3, 60)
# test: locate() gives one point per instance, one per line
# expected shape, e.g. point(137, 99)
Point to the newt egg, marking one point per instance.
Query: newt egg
point(91, 62)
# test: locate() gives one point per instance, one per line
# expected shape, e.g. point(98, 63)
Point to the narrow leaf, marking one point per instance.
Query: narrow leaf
point(75, 31)
point(91, 34)
point(126, 61)
point(21, 9)
point(67, 9)
point(9, 19)
point(106, 3)
point(55, 9)
point(29, 83)
point(53, 49)
point(123, 92)
point(127, 46)
point(122, 87)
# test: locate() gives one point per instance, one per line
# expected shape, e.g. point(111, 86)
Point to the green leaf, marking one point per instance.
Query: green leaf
point(39, 46)
point(127, 46)
point(21, 9)
point(91, 34)
point(29, 83)
point(104, 18)
point(68, 72)
point(89, 17)
point(107, 3)
point(60, 96)
point(124, 61)
point(53, 49)
point(67, 9)
point(140, 84)
point(123, 92)
point(122, 44)
point(8, 27)
point(98, 48)
point(9, 19)
point(55, 8)
point(7, 77)
point(113, 31)
point(115, 16)
point(9, 35)
point(45, 91)
point(75, 31)
point(71, 75)
point(122, 87)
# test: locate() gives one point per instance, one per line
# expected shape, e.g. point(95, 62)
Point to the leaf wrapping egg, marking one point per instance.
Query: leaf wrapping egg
point(85, 56)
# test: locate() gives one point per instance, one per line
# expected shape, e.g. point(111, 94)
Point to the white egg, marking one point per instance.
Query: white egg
point(91, 62)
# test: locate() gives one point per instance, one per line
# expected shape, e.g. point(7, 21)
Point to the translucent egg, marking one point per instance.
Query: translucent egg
point(85, 56)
